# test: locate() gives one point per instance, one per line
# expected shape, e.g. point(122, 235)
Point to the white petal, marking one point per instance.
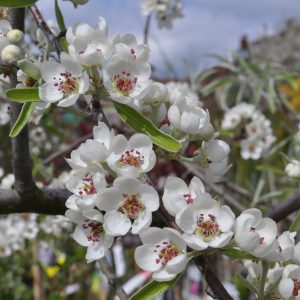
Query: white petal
point(285, 287)
point(187, 219)
point(142, 222)
point(140, 142)
point(222, 240)
point(225, 218)
point(149, 197)
point(68, 101)
point(127, 185)
point(153, 235)
point(51, 70)
point(116, 223)
point(80, 237)
point(84, 83)
point(196, 186)
point(177, 264)
point(145, 258)
point(163, 275)
point(49, 93)
point(110, 199)
point(70, 64)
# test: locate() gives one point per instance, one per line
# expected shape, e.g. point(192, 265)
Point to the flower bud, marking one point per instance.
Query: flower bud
point(292, 169)
point(30, 69)
point(15, 36)
point(10, 54)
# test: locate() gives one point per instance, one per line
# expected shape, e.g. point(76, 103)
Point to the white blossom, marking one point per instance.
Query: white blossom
point(89, 46)
point(255, 234)
point(128, 204)
point(132, 157)
point(163, 252)
point(289, 285)
point(89, 233)
point(125, 78)
point(212, 157)
point(177, 195)
point(206, 224)
point(292, 169)
point(64, 81)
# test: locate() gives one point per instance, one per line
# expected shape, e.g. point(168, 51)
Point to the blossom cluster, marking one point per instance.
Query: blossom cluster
point(258, 132)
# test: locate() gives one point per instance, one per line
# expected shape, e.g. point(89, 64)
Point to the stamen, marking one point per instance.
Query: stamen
point(131, 158)
point(207, 228)
point(132, 206)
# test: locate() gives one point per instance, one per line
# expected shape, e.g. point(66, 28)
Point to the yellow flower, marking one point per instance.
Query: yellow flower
point(61, 259)
point(51, 271)
point(293, 93)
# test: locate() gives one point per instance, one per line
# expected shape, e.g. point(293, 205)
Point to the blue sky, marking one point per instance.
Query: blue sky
point(208, 26)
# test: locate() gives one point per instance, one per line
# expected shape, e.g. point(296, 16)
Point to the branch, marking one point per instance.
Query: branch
point(108, 271)
point(20, 145)
point(45, 201)
point(213, 282)
point(146, 29)
point(285, 208)
point(67, 149)
point(40, 21)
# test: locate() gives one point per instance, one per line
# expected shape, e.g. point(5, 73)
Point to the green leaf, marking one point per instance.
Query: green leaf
point(237, 254)
point(296, 224)
point(23, 118)
point(141, 124)
point(23, 95)
point(59, 17)
point(216, 84)
point(271, 98)
point(16, 3)
point(270, 168)
point(64, 44)
point(153, 289)
point(244, 283)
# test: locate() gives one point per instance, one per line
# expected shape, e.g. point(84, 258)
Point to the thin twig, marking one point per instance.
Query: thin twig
point(288, 206)
point(67, 149)
point(147, 28)
point(45, 28)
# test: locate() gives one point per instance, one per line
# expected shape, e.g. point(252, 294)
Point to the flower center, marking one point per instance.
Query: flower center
point(95, 230)
point(188, 198)
point(131, 158)
point(88, 187)
point(296, 287)
point(67, 84)
point(166, 252)
point(207, 228)
point(132, 206)
point(124, 82)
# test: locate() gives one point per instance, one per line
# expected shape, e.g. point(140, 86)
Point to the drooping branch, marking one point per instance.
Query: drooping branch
point(20, 145)
point(288, 206)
